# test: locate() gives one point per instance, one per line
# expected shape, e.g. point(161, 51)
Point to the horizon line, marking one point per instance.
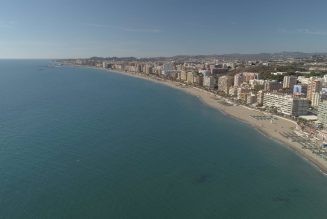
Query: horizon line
point(149, 57)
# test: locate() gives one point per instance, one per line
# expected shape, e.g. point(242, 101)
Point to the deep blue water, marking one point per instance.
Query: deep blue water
point(82, 143)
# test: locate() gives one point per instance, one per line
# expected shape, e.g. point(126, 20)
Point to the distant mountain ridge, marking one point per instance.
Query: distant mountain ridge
point(261, 56)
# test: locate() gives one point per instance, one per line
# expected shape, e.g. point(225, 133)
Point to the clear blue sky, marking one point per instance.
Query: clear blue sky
point(143, 28)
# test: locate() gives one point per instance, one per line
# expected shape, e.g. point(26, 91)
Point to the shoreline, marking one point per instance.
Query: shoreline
point(242, 114)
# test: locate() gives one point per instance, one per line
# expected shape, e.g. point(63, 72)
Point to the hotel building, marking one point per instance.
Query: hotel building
point(286, 104)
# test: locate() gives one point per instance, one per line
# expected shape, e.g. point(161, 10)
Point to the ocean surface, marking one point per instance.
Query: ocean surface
point(84, 143)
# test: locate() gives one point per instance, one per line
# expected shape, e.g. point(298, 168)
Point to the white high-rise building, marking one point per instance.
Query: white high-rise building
point(224, 83)
point(315, 99)
point(167, 68)
point(251, 98)
point(260, 97)
point(209, 82)
point(286, 104)
point(238, 80)
point(322, 113)
point(183, 76)
point(289, 82)
point(205, 72)
point(105, 65)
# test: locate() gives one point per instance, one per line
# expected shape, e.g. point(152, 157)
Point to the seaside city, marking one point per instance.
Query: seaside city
point(289, 87)
point(157, 109)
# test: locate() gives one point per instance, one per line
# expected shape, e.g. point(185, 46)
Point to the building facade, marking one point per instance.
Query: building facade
point(224, 83)
point(314, 87)
point(209, 82)
point(315, 99)
point(286, 104)
point(271, 86)
point(289, 82)
point(322, 113)
point(183, 76)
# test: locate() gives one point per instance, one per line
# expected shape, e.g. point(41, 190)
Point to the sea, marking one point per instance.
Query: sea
point(85, 143)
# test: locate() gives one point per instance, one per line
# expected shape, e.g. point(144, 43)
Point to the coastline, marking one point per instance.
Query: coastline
point(243, 114)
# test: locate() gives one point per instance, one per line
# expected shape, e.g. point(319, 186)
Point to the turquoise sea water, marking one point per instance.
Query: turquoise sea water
point(82, 143)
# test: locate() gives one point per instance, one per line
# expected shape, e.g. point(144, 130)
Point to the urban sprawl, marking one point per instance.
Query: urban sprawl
point(291, 86)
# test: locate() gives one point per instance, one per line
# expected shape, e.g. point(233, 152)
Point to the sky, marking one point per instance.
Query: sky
point(147, 28)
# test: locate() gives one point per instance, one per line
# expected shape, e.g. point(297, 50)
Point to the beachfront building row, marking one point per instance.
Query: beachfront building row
point(286, 104)
point(207, 80)
point(209, 76)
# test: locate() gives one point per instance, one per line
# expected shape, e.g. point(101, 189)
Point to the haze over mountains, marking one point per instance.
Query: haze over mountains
point(261, 56)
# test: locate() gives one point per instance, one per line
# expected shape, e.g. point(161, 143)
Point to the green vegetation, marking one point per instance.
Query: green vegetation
point(265, 71)
point(317, 74)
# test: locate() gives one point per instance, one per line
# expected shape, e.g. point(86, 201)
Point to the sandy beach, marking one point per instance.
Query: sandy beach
point(265, 126)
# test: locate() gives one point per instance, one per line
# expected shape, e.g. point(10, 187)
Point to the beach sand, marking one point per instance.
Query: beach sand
point(243, 113)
